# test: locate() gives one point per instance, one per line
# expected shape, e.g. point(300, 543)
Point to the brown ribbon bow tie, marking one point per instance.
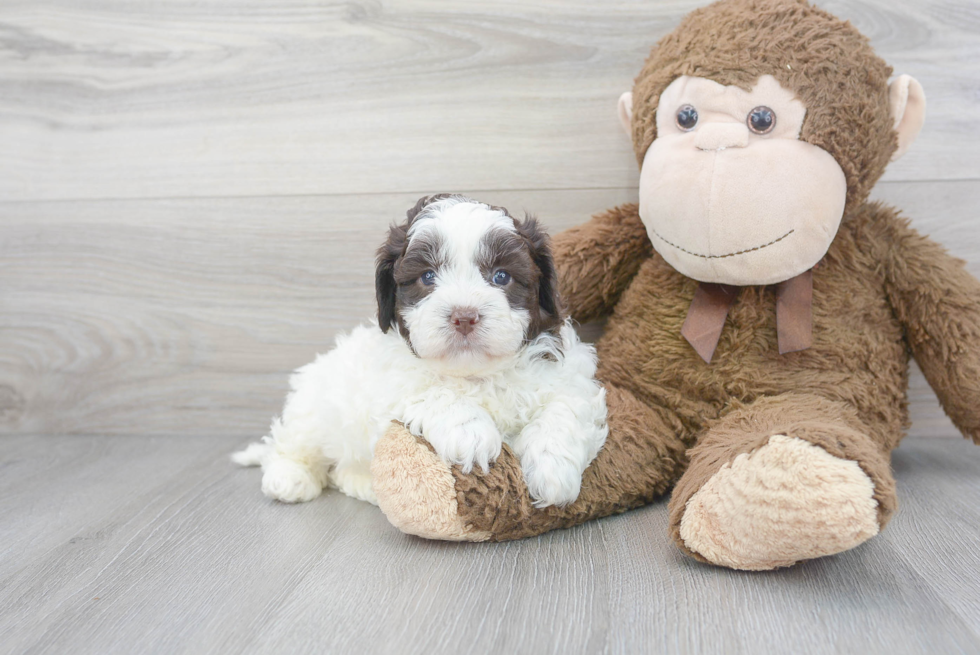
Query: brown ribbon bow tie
point(794, 319)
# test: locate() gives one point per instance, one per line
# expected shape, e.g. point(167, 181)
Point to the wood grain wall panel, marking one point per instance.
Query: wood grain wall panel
point(186, 316)
point(139, 99)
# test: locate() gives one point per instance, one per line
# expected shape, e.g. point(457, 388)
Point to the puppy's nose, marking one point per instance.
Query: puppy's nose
point(464, 319)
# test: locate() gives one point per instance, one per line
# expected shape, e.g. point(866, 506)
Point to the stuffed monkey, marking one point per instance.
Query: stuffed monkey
point(762, 311)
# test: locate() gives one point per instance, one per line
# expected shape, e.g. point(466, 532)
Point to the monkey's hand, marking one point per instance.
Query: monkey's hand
point(938, 302)
point(596, 261)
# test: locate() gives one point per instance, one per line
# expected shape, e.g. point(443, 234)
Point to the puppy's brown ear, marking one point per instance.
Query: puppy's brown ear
point(388, 254)
point(540, 245)
point(384, 275)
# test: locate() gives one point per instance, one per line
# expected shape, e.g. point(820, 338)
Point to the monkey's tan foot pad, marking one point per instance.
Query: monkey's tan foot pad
point(786, 502)
point(416, 489)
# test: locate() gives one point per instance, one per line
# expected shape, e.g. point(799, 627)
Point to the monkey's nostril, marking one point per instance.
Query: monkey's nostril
point(464, 319)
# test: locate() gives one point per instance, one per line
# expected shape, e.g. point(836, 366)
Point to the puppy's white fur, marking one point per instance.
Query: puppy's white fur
point(466, 396)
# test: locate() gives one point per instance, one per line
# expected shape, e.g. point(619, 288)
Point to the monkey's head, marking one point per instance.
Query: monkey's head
point(757, 124)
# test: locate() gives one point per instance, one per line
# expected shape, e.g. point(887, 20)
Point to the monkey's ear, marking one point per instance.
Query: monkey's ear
point(908, 107)
point(626, 112)
point(384, 276)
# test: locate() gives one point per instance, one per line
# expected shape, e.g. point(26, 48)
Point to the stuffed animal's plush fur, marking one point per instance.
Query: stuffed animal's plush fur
point(762, 312)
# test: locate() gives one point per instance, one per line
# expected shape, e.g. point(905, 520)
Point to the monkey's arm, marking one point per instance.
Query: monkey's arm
point(938, 302)
point(596, 261)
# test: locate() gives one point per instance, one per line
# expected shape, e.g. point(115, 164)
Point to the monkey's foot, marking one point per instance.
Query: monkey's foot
point(416, 490)
point(422, 495)
point(785, 502)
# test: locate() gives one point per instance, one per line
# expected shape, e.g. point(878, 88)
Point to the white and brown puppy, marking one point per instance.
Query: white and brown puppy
point(472, 352)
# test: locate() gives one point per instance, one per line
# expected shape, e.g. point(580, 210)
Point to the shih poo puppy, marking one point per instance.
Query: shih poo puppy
point(470, 351)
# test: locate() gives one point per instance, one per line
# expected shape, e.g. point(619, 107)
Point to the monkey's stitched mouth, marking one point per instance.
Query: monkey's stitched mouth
point(731, 254)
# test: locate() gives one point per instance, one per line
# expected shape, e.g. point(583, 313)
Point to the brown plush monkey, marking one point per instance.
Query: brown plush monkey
point(762, 311)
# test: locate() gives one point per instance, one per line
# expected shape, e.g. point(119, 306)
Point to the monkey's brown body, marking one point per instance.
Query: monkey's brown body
point(858, 356)
point(774, 458)
point(881, 293)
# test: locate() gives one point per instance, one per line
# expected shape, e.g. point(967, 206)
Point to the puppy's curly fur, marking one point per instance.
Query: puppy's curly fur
point(471, 351)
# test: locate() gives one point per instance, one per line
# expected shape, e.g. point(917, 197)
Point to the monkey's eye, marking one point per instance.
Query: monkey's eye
point(761, 120)
point(428, 278)
point(500, 278)
point(687, 118)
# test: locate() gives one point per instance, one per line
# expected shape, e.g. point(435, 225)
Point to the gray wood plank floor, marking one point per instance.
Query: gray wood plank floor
point(160, 545)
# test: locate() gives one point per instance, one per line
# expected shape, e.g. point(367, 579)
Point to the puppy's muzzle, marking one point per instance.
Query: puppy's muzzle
point(464, 319)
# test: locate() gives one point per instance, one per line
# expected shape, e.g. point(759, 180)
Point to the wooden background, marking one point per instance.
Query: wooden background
point(191, 191)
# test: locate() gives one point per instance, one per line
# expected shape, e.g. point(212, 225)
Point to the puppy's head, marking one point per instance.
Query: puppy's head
point(465, 282)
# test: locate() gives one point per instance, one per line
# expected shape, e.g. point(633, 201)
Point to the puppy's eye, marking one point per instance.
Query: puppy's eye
point(687, 118)
point(761, 120)
point(428, 278)
point(500, 278)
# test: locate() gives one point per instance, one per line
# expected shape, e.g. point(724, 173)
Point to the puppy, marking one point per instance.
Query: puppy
point(470, 351)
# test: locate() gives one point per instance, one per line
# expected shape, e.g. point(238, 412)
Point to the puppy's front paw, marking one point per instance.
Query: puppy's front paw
point(551, 479)
point(289, 482)
point(476, 441)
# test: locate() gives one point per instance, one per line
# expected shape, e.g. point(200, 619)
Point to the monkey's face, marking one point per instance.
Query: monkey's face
point(728, 191)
